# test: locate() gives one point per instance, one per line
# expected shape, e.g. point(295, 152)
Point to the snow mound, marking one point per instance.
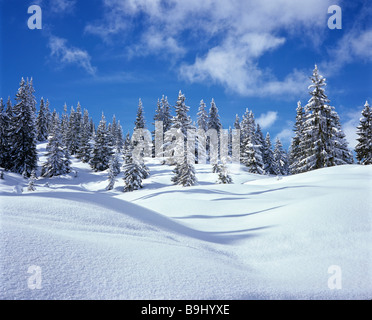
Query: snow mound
point(258, 238)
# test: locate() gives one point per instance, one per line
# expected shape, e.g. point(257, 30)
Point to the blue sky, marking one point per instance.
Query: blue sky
point(256, 54)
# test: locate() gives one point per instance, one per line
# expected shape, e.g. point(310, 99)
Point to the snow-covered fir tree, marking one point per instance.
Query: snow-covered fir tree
point(31, 181)
point(182, 120)
point(363, 149)
point(202, 117)
point(22, 132)
point(127, 146)
point(268, 157)
point(261, 143)
point(323, 143)
point(132, 171)
point(280, 159)
point(48, 114)
point(85, 147)
point(237, 123)
point(102, 151)
point(181, 123)
point(42, 122)
point(71, 139)
point(58, 158)
point(119, 143)
point(115, 162)
point(30, 95)
point(214, 118)
point(140, 122)
point(251, 150)
point(296, 153)
point(4, 137)
point(111, 177)
point(223, 174)
point(184, 174)
point(342, 153)
point(166, 114)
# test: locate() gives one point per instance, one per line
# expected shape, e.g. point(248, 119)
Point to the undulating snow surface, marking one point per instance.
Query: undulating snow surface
point(259, 238)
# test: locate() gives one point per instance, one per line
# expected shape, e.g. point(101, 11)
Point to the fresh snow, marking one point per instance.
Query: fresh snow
point(258, 238)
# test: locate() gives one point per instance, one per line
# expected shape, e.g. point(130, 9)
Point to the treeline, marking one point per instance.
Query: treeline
point(318, 141)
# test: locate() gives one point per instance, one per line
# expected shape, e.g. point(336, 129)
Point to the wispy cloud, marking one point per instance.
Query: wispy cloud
point(265, 120)
point(241, 32)
point(68, 55)
point(62, 6)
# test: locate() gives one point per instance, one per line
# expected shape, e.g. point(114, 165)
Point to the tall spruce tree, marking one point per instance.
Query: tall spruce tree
point(323, 141)
point(85, 147)
point(140, 122)
point(102, 151)
point(202, 117)
point(42, 122)
point(23, 155)
point(296, 152)
point(251, 150)
point(184, 174)
point(58, 158)
point(363, 149)
point(132, 171)
point(268, 157)
point(280, 159)
point(4, 137)
point(214, 118)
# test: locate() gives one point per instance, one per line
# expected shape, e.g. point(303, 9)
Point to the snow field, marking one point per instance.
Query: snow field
point(259, 238)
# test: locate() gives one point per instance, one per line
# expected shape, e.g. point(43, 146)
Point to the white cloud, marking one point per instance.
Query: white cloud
point(67, 55)
point(246, 30)
point(354, 45)
point(62, 6)
point(265, 120)
point(285, 136)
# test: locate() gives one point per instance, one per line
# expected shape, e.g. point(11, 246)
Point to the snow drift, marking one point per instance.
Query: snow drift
point(259, 238)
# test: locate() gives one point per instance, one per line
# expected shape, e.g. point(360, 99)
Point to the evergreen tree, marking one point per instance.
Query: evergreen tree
point(85, 147)
point(280, 159)
point(202, 117)
point(251, 150)
point(181, 120)
point(237, 123)
point(323, 141)
point(23, 155)
point(296, 152)
point(102, 151)
point(342, 153)
point(42, 123)
point(30, 95)
point(140, 122)
point(132, 172)
point(64, 124)
point(115, 163)
point(363, 149)
point(223, 174)
point(184, 174)
point(4, 137)
point(31, 181)
point(268, 157)
point(111, 177)
point(126, 147)
point(181, 123)
point(166, 114)
point(48, 114)
point(58, 159)
point(214, 118)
